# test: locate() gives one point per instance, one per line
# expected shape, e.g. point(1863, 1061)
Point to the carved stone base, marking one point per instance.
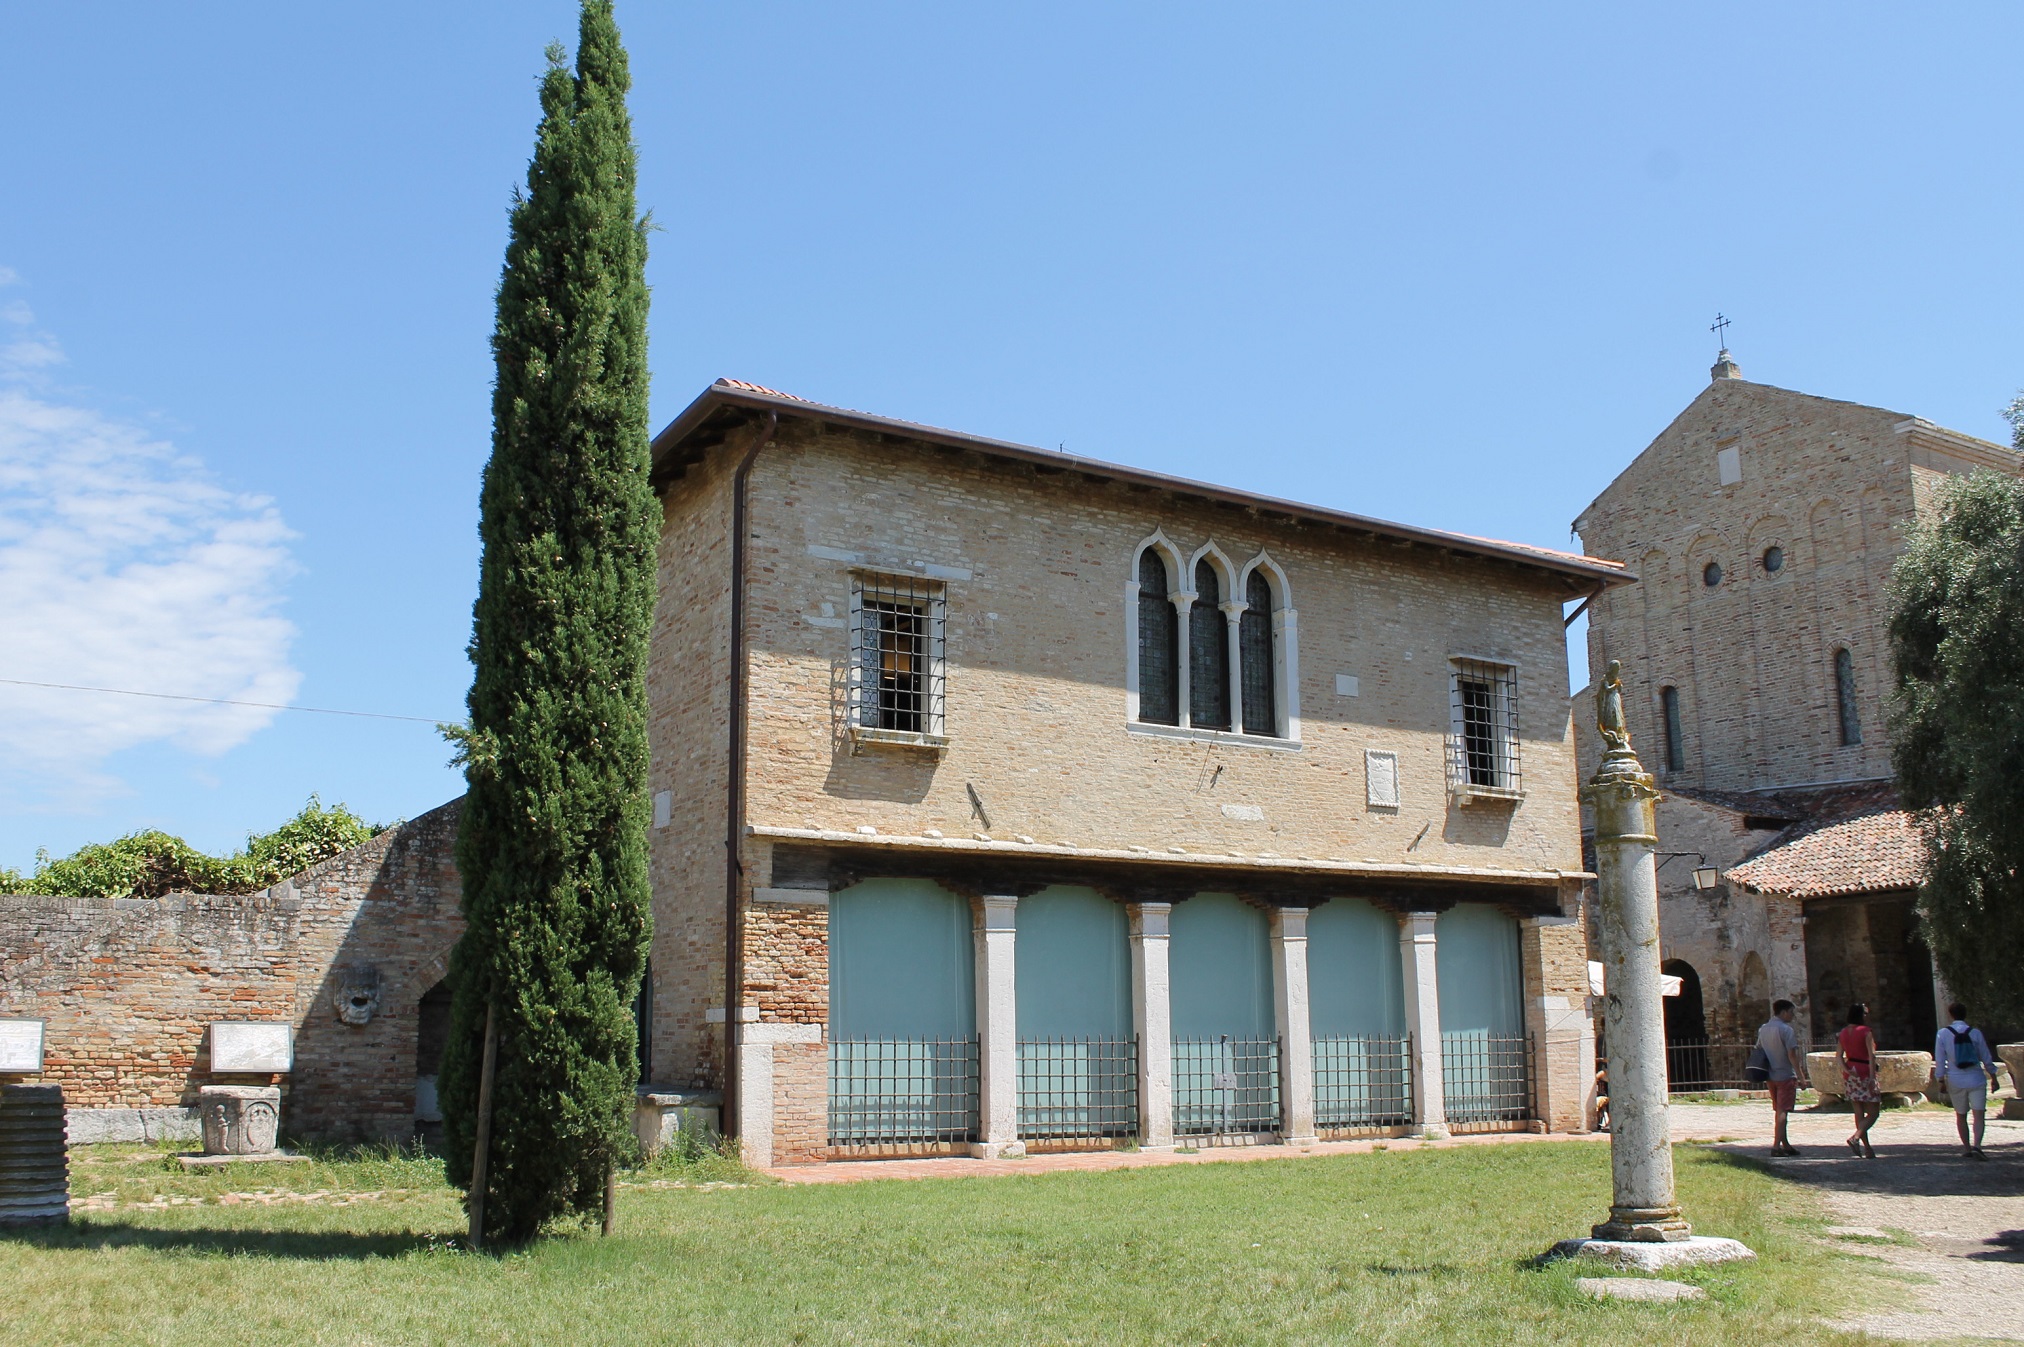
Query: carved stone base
point(1644, 1225)
point(239, 1119)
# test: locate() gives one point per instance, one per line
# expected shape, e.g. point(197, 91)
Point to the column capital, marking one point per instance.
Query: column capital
point(997, 911)
point(1289, 923)
point(1149, 921)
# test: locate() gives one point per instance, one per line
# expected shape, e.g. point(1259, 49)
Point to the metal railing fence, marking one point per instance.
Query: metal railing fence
point(1487, 1078)
point(1694, 1066)
point(1225, 1086)
point(1076, 1089)
point(1363, 1081)
point(902, 1092)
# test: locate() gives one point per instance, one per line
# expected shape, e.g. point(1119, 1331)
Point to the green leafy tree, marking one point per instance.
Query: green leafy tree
point(552, 849)
point(151, 863)
point(1957, 731)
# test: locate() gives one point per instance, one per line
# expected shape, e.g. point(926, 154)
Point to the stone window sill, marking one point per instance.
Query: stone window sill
point(1493, 795)
point(864, 736)
point(1235, 740)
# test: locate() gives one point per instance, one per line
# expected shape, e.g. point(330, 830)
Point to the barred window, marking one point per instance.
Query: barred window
point(1208, 653)
point(1254, 646)
point(896, 660)
point(1159, 667)
point(1483, 746)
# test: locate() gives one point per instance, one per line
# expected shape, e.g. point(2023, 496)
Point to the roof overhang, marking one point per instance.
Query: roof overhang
point(705, 423)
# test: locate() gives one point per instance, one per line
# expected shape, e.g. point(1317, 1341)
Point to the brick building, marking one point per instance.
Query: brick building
point(1023, 799)
point(1762, 524)
point(351, 952)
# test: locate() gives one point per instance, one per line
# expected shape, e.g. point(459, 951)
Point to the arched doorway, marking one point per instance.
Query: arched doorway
point(1686, 1029)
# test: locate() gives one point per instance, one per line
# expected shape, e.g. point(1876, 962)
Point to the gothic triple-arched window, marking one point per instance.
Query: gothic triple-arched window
point(1216, 657)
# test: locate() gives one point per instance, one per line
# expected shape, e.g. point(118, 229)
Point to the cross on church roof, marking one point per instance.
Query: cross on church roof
point(1720, 327)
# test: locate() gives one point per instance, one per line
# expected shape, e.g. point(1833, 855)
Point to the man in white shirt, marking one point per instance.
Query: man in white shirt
point(1962, 1059)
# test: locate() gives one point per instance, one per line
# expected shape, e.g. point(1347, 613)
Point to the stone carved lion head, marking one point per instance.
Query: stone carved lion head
point(355, 992)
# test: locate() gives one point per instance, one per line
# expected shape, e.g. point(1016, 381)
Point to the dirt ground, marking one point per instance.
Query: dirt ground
point(1957, 1224)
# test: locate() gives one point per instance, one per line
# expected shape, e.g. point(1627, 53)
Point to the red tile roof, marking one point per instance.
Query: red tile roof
point(1864, 854)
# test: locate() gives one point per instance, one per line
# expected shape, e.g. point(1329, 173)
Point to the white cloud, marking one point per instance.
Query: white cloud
point(123, 564)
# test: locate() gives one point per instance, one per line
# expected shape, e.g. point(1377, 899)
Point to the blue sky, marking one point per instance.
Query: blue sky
point(1452, 265)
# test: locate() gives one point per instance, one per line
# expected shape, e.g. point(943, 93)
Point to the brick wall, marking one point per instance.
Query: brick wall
point(129, 985)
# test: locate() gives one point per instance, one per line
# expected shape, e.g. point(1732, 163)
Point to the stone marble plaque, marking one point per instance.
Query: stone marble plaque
point(20, 1047)
point(241, 1046)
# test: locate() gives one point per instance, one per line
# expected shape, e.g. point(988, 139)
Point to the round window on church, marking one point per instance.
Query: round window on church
point(1774, 559)
point(1711, 574)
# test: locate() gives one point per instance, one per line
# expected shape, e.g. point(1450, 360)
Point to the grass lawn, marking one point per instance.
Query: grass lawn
point(1408, 1245)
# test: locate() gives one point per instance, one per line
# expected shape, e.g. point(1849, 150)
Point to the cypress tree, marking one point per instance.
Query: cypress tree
point(553, 845)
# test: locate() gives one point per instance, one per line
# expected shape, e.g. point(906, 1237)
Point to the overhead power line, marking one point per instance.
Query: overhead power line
point(218, 701)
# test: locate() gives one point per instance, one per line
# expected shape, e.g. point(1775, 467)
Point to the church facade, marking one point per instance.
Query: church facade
point(1019, 800)
point(1763, 524)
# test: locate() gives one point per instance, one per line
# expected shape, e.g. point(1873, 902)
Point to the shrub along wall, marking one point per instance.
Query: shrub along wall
point(128, 985)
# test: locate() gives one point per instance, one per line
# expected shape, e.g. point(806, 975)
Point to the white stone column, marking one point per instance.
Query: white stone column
point(1233, 647)
point(1423, 1021)
point(1183, 601)
point(997, 1029)
point(1296, 1034)
point(1643, 1204)
point(1152, 1021)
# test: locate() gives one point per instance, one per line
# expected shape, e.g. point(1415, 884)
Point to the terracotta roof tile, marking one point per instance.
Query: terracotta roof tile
point(1863, 854)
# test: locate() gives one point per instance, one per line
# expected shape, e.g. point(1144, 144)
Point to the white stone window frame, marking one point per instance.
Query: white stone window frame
point(1503, 676)
point(933, 594)
point(1235, 581)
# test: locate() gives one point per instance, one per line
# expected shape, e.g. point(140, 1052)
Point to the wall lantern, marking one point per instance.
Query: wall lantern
point(1705, 877)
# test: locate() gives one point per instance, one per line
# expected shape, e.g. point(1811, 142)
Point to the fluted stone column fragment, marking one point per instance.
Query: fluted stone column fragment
point(1644, 1206)
point(34, 1157)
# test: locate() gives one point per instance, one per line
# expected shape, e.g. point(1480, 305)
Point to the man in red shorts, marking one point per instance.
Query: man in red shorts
point(1781, 1053)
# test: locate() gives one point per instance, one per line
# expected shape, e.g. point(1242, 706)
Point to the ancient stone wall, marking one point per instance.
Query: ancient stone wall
point(128, 986)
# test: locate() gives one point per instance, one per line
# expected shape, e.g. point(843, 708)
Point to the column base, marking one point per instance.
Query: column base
point(1645, 1225)
point(1432, 1132)
point(997, 1150)
point(1156, 1148)
point(1300, 1141)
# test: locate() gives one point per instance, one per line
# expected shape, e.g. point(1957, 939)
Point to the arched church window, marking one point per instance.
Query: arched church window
point(1254, 647)
point(1844, 698)
point(1159, 663)
point(1208, 653)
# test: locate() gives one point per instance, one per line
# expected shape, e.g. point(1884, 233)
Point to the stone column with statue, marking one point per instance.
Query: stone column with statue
point(1645, 1226)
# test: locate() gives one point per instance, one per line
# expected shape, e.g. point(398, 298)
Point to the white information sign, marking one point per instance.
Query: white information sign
point(260, 1048)
point(20, 1047)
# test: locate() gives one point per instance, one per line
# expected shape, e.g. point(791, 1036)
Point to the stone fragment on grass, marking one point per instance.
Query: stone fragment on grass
point(1637, 1288)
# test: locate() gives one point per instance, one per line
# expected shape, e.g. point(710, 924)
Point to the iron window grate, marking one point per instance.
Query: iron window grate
point(1363, 1081)
point(902, 1091)
point(1483, 738)
point(1078, 1088)
point(1225, 1086)
point(1486, 1078)
point(898, 665)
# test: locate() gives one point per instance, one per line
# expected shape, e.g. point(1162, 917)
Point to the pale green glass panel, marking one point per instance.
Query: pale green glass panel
point(1074, 965)
point(1220, 966)
point(1355, 982)
point(901, 962)
point(1476, 953)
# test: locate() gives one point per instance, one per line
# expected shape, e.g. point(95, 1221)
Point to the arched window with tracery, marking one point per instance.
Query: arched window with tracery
point(1159, 663)
point(1208, 652)
point(1254, 645)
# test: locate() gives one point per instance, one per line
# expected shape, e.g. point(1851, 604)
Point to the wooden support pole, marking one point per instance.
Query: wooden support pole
point(483, 1150)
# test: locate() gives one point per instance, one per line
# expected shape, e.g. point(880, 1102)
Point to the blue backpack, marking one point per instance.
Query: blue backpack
point(1967, 1057)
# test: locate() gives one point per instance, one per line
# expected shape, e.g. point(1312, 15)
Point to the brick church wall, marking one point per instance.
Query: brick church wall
point(128, 986)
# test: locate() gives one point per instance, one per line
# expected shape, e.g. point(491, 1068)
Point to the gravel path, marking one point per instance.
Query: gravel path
point(1965, 1217)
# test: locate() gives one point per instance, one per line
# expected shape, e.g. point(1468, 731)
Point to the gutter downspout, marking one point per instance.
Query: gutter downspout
point(734, 811)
